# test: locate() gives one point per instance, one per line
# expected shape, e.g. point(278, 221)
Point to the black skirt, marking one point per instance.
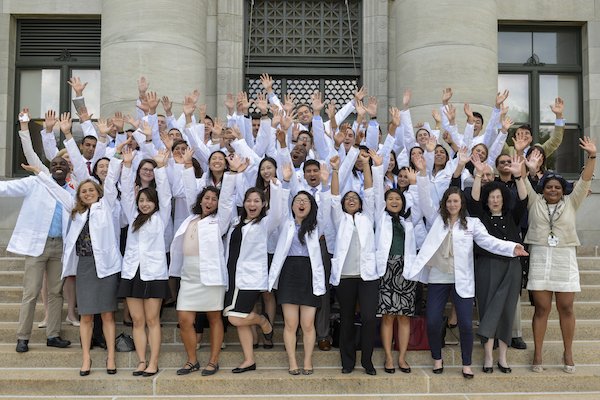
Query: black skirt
point(138, 289)
point(295, 283)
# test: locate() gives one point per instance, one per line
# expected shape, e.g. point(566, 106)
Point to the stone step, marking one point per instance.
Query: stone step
point(585, 330)
point(279, 382)
point(173, 356)
point(446, 396)
point(10, 263)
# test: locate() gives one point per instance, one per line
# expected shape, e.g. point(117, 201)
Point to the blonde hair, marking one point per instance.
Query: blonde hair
point(80, 207)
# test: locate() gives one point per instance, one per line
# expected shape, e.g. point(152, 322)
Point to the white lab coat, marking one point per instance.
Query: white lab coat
point(211, 260)
point(106, 249)
point(146, 247)
point(288, 230)
point(252, 268)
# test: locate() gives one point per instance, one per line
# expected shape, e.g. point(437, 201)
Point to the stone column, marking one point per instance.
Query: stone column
point(165, 41)
point(446, 44)
point(375, 54)
point(230, 50)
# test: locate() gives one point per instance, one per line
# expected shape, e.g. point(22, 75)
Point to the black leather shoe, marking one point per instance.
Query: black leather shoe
point(239, 370)
point(504, 370)
point(57, 342)
point(87, 371)
point(347, 370)
point(405, 370)
point(22, 346)
point(370, 371)
point(389, 370)
point(439, 370)
point(518, 343)
point(468, 376)
point(487, 370)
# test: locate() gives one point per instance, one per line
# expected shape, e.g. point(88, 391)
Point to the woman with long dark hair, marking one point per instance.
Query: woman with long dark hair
point(297, 272)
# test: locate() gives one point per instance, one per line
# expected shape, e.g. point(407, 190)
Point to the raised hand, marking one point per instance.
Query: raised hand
point(534, 161)
point(166, 139)
point(287, 171)
point(153, 101)
point(324, 173)
point(503, 111)
point(450, 112)
point(128, 156)
point(463, 155)
point(217, 128)
point(287, 120)
point(335, 163)
point(317, 102)
point(237, 164)
point(161, 158)
point(132, 121)
point(65, 124)
point(588, 145)
point(516, 165)
point(261, 103)
point(506, 124)
point(144, 103)
point(277, 115)
point(188, 153)
point(195, 95)
point(500, 97)
point(49, 120)
point(360, 94)
point(420, 163)
point(201, 113)
point(31, 168)
point(126, 144)
point(431, 143)
point(235, 132)
point(446, 96)
point(520, 141)
point(435, 113)
point(24, 119)
point(289, 104)
point(118, 121)
point(167, 106)
point(103, 127)
point(143, 85)
point(372, 106)
point(479, 165)
point(147, 130)
point(189, 105)
point(469, 113)
point(377, 159)
point(229, 103)
point(338, 138)
point(406, 99)
point(83, 114)
point(267, 82)
point(395, 115)
point(281, 138)
point(411, 174)
point(331, 110)
point(77, 85)
point(447, 137)
point(243, 104)
point(558, 107)
point(360, 110)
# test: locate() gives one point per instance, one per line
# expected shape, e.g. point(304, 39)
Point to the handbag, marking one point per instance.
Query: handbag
point(124, 343)
point(418, 334)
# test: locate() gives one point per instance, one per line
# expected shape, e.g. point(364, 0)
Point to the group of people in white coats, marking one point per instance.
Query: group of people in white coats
point(291, 208)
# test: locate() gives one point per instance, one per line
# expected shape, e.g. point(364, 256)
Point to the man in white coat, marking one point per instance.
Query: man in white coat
point(38, 234)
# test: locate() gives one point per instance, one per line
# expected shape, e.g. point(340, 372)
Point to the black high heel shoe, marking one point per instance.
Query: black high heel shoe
point(504, 370)
point(110, 371)
point(86, 372)
point(439, 370)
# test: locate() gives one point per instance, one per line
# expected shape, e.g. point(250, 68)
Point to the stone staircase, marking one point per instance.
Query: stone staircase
point(46, 372)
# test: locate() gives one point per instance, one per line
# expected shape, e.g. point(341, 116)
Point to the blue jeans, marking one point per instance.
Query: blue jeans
point(437, 297)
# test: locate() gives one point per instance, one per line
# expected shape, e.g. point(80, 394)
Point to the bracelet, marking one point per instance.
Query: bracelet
point(148, 141)
point(334, 170)
point(375, 117)
point(591, 157)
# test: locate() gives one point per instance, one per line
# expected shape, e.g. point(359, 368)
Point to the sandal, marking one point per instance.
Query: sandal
point(208, 372)
point(140, 372)
point(188, 368)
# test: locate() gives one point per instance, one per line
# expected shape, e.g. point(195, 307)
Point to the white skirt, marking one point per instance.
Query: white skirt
point(553, 268)
point(193, 294)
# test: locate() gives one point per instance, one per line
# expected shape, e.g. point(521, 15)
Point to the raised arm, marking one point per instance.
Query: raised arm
point(556, 136)
point(26, 143)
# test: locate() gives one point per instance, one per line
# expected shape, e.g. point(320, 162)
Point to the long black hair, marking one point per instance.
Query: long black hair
point(197, 209)
point(309, 223)
point(141, 219)
point(360, 202)
point(210, 174)
point(263, 211)
point(95, 168)
point(260, 182)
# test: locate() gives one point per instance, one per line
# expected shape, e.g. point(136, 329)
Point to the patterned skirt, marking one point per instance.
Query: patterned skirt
point(397, 296)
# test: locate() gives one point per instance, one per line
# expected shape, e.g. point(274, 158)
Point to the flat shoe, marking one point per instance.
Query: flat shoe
point(139, 373)
point(73, 322)
point(569, 369)
point(209, 372)
point(188, 368)
point(504, 370)
point(147, 374)
point(389, 370)
point(468, 376)
point(537, 368)
point(405, 370)
point(307, 371)
point(294, 371)
point(43, 324)
point(240, 370)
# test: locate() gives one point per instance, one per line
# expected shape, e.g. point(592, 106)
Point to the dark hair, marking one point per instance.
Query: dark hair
point(405, 168)
point(309, 223)
point(209, 118)
point(141, 218)
point(422, 129)
point(260, 182)
point(489, 188)
point(197, 209)
point(177, 142)
point(255, 115)
point(263, 211)
point(404, 213)
point(303, 105)
point(396, 169)
point(310, 162)
point(526, 126)
point(365, 148)
point(462, 214)
point(95, 168)
point(360, 202)
point(89, 137)
point(554, 177)
point(439, 146)
point(210, 175)
point(478, 115)
point(138, 180)
point(410, 163)
point(498, 158)
point(541, 149)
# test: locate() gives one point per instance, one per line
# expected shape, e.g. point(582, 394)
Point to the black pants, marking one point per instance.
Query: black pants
point(367, 293)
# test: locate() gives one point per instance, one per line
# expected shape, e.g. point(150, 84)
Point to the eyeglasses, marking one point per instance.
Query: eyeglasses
point(301, 201)
point(147, 169)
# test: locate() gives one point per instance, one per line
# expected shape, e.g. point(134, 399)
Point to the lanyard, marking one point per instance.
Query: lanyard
point(551, 216)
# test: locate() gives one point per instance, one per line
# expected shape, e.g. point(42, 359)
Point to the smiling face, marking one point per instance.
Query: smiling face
point(267, 171)
point(304, 115)
point(391, 164)
point(553, 191)
point(298, 155)
point(422, 137)
point(216, 162)
point(440, 157)
point(162, 123)
point(59, 168)
point(414, 153)
point(403, 182)
point(209, 203)
point(146, 171)
point(393, 202)
point(179, 150)
point(301, 206)
point(495, 201)
point(102, 169)
point(481, 152)
point(477, 125)
point(351, 203)
point(503, 164)
point(453, 205)
point(253, 205)
point(145, 205)
point(88, 146)
point(88, 194)
point(526, 133)
point(348, 138)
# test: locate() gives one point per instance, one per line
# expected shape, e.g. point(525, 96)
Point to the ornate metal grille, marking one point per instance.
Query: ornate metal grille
point(303, 33)
point(340, 89)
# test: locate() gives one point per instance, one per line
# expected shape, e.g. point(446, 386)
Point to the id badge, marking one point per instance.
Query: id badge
point(552, 240)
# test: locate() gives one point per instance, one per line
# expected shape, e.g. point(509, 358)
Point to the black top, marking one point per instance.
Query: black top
point(83, 245)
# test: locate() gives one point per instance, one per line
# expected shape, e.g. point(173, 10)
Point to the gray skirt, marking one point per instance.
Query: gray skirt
point(94, 295)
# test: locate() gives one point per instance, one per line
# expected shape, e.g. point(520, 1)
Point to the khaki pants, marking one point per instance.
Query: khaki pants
point(49, 261)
